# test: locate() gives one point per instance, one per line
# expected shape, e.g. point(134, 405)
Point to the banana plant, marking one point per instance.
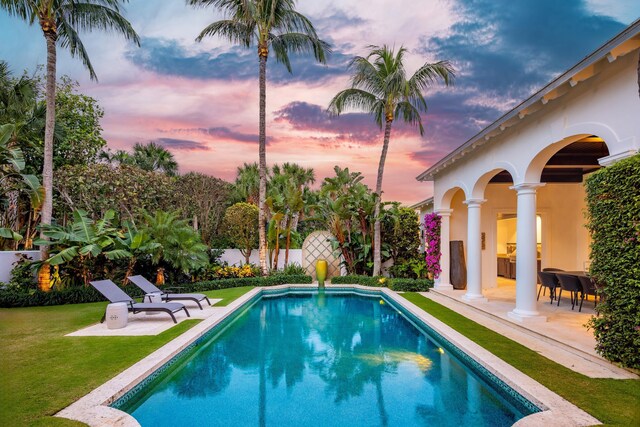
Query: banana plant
point(138, 243)
point(82, 242)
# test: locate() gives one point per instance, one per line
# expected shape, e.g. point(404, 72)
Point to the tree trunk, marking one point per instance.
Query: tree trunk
point(247, 254)
point(277, 249)
point(48, 27)
point(262, 54)
point(12, 221)
point(377, 243)
point(286, 252)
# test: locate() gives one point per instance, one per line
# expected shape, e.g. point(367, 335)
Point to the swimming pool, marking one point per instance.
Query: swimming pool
point(339, 357)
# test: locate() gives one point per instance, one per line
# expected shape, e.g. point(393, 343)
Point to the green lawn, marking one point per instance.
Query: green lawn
point(614, 402)
point(42, 371)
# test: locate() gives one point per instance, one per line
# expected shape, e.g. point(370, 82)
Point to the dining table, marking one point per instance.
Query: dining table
point(578, 274)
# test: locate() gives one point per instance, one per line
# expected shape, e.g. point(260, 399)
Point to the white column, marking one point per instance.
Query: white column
point(474, 251)
point(443, 282)
point(526, 255)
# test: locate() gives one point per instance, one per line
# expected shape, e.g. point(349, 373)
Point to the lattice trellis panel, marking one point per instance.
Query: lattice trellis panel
point(317, 246)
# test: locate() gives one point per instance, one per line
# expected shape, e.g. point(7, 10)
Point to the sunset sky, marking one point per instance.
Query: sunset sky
point(200, 100)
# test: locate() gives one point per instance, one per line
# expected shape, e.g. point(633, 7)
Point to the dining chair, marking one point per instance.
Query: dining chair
point(571, 284)
point(548, 280)
point(588, 288)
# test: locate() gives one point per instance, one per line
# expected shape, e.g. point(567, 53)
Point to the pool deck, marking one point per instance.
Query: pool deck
point(93, 408)
point(562, 338)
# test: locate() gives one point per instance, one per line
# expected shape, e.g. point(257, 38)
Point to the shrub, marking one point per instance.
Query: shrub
point(399, 285)
point(613, 219)
point(411, 285)
point(231, 271)
point(412, 268)
point(10, 297)
point(22, 276)
point(293, 269)
point(359, 280)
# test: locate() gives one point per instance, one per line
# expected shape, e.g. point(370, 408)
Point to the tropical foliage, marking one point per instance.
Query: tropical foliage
point(87, 242)
point(346, 208)
point(613, 219)
point(203, 200)
point(12, 183)
point(97, 188)
point(241, 225)
point(380, 87)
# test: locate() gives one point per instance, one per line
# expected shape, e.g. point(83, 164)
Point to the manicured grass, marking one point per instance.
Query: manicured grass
point(42, 371)
point(614, 402)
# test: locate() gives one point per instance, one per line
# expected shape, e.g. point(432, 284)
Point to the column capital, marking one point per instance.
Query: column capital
point(444, 212)
point(474, 203)
point(527, 187)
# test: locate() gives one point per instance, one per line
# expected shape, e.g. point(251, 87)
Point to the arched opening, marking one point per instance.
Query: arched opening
point(498, 227)
point(563, 167)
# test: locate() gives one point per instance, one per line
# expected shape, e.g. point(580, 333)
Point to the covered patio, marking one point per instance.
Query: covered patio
point(529, 167)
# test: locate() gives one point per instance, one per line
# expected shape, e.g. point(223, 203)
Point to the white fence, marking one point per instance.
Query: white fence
point(7, 258)
point(234, 257)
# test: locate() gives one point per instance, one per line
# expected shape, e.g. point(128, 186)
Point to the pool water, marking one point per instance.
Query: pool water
point(320, 360)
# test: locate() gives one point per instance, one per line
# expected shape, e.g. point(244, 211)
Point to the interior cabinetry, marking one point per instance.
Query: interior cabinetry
point(507, 267)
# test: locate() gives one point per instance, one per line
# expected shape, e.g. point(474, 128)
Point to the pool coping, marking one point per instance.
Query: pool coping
point(93, 408)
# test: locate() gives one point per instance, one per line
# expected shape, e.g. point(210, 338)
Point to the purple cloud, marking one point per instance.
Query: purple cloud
point(181, 144)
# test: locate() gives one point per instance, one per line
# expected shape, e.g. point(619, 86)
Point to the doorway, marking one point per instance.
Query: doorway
point(506, 238)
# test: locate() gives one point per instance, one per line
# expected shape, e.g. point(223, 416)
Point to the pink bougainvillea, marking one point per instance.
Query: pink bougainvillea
point(432, 223)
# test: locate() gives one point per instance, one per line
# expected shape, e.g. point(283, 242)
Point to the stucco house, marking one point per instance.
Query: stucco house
point(528, 168)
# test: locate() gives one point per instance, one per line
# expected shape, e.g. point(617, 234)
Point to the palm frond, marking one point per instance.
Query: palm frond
point(297, 43)
point(87, 16)
point(409, 114)
point(69, 38)
point(429, 74)
point(366, 76)
point(234, 31)
point(24, 9)
point(356, 99)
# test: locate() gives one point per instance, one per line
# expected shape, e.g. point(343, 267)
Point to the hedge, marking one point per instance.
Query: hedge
point(13, 298)
point(400, 285)
point(613, 219)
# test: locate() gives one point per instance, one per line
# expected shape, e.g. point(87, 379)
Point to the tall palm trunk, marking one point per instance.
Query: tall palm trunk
point(12, 219)
point(262, 54)
point(377, 263)
point(50, 33)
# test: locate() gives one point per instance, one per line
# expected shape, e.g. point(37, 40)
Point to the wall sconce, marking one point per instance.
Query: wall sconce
point(483, 240)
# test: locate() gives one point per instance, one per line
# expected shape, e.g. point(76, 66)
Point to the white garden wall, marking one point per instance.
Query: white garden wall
point(234, 257)
point(7, 258)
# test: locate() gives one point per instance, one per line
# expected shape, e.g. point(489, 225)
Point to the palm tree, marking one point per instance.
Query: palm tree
point(268, 24)
point(246, 187)
point(154, 158)
point(60, 21)
point(119, 157)
point(380, 87)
